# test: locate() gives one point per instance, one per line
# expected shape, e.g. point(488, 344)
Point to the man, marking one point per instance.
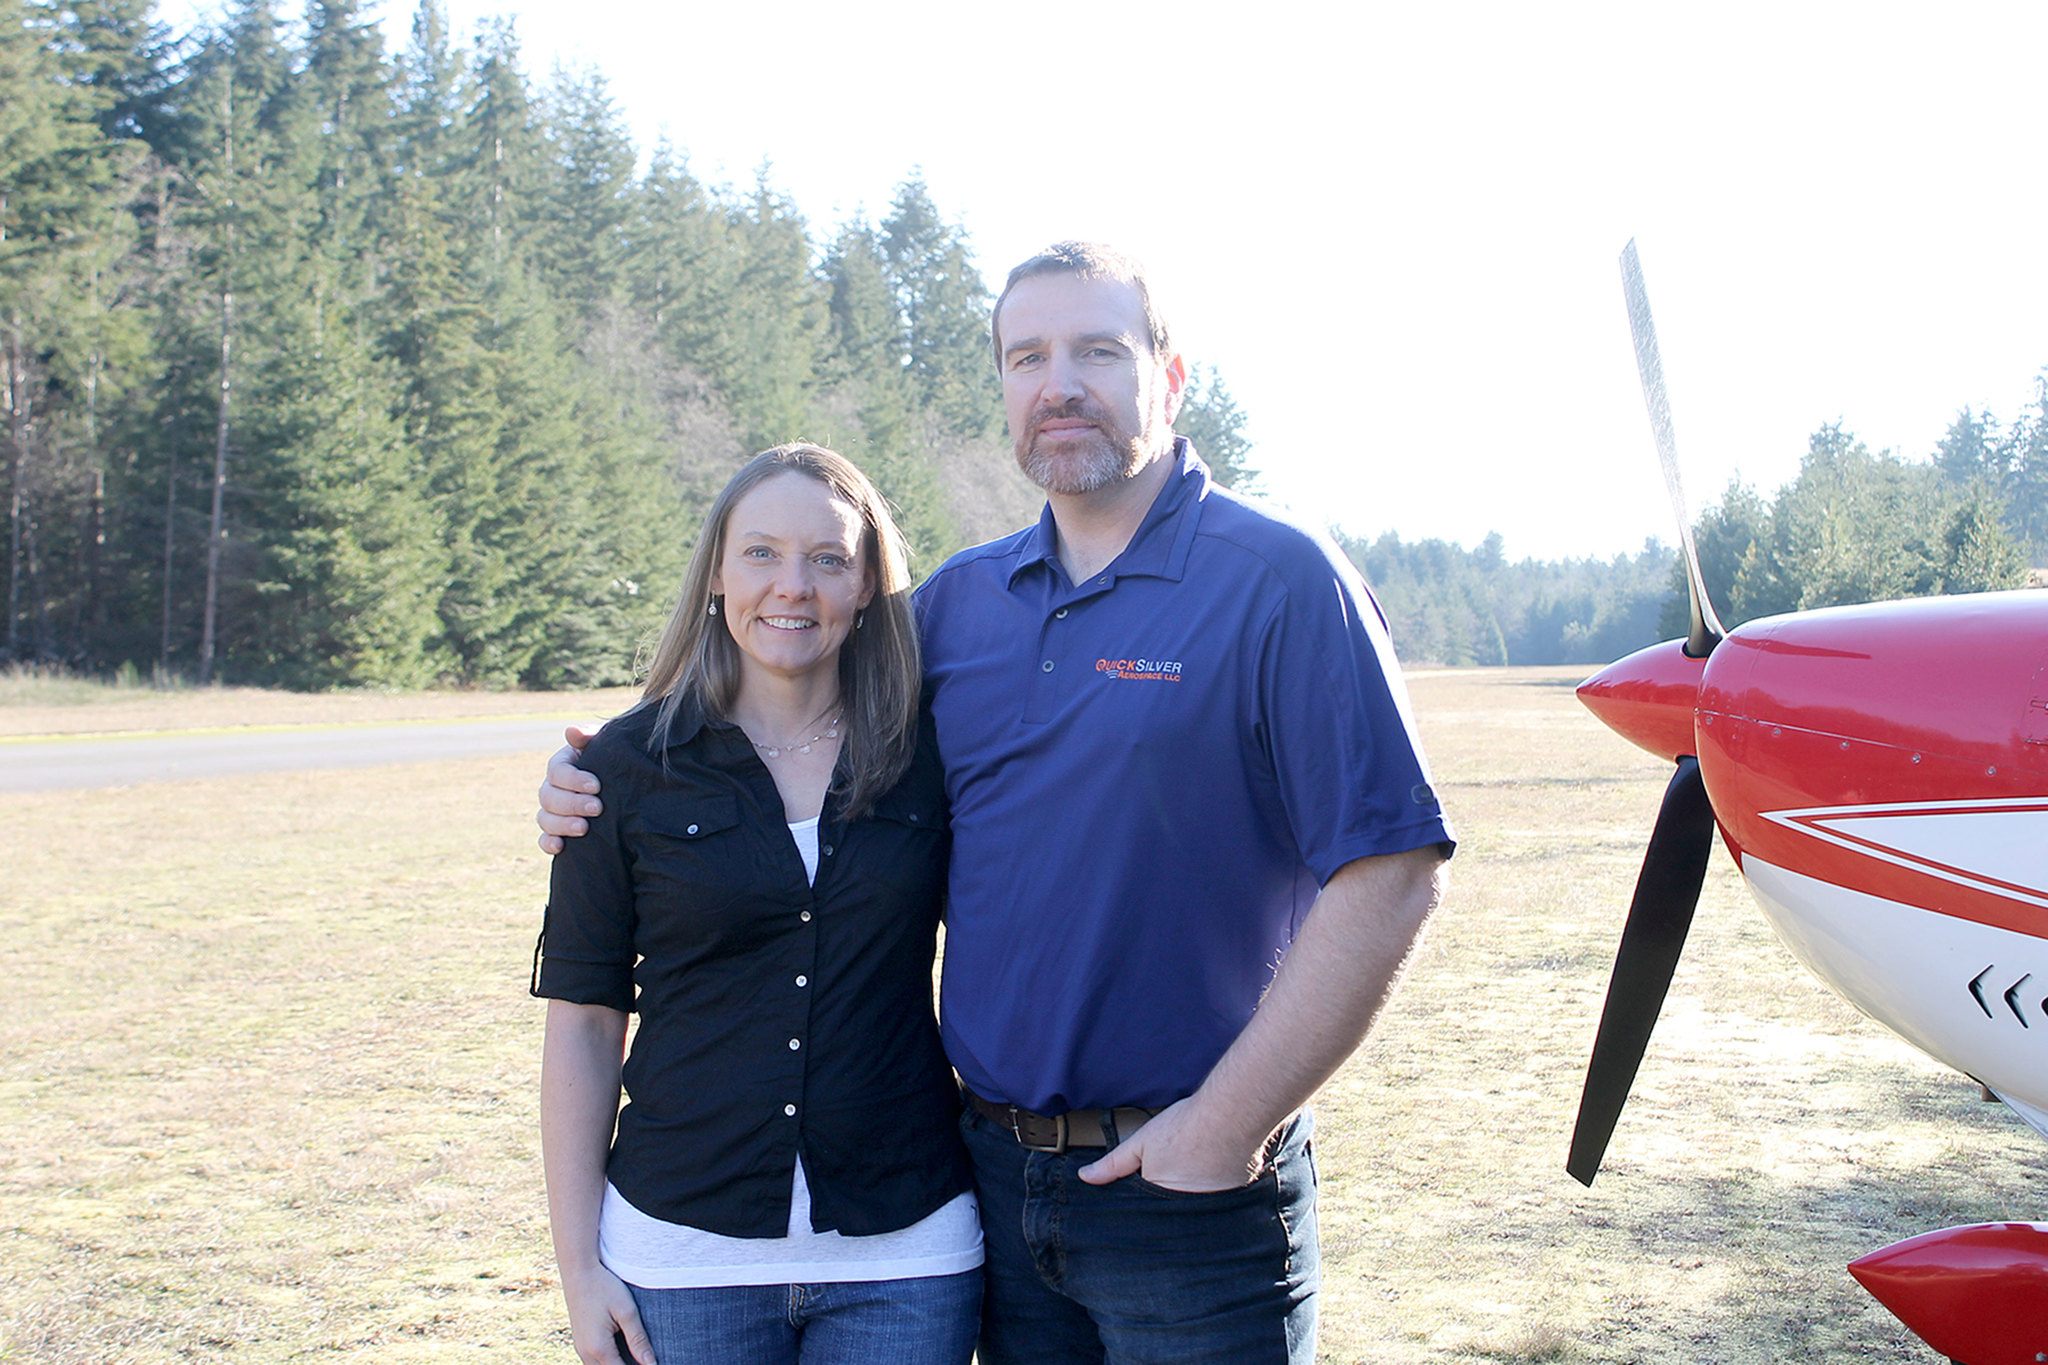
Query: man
point(1194, 840)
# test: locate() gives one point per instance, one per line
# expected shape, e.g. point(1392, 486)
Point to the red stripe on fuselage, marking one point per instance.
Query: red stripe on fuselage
point(1825, 821)
point(1906, 705)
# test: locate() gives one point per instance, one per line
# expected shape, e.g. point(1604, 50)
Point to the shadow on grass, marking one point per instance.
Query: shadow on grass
point(1788, 1295)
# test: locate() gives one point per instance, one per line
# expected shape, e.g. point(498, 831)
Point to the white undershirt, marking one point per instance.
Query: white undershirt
point(647, 1251)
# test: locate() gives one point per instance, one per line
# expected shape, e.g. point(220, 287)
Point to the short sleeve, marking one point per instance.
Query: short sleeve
point(585, 952)
point(1336, 722)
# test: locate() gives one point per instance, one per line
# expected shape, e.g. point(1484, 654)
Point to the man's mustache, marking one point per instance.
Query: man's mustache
point(1086, 412)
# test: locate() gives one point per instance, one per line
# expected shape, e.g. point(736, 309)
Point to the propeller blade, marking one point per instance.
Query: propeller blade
point(1674, 868)
point(1706, 629)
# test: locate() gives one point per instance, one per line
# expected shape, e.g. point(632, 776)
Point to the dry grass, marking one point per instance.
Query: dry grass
point(274, 1097)
point(37, 703)
point(267, 1088)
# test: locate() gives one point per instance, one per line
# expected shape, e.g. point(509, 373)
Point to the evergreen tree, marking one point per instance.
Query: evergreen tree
point(583, 243)
point(1854, 526)
point(944, 311)
point(445, 409)
point(2026, 484)
point(1858, 527)
point(427, 96)
point(633, 539)
point(347, 595)
point(1977, 553)
point(684, 263)
point(1971, 451)
point(866, 326)
point(64, 232)
point(345, 134)
point(154, 531)
point(1212, 420)
point(679, 278)
point(506, 511)
point(1728, 537)
point(773, 329)
point(241, 171)
point(866, 364)
point(503, 168)
point(117, 54)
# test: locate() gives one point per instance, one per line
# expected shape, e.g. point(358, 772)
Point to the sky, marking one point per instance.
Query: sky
point(1394, 229)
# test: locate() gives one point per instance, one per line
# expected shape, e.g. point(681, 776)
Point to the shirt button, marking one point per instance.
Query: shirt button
point(804, 915)
point(1045, 667)
point(691, 830)
point(1060, 615)
point(1104, 580)
point(794, 1044)
point(790, 1110)
point(803, 981)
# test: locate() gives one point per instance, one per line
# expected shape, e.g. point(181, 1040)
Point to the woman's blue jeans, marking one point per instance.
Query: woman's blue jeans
point(928, 1321)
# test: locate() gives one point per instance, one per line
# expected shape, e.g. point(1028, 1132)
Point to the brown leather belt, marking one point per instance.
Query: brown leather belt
point(1057, 1132)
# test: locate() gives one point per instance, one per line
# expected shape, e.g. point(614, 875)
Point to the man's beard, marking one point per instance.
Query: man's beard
point(1092, 460)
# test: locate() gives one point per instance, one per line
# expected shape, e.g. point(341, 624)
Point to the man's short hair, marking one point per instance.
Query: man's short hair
point(1086, 261)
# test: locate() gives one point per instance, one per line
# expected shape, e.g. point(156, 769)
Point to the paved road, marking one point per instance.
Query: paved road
point(54, 765)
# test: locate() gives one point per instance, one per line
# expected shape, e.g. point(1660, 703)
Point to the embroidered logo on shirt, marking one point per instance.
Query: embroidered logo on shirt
point(1140, 670)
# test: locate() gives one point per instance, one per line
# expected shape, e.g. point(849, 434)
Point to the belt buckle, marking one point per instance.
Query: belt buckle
point(1059, 1134)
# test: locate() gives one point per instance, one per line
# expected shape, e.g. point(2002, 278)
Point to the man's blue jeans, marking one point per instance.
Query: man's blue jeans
point(1131, 1272)
point(927, 1321)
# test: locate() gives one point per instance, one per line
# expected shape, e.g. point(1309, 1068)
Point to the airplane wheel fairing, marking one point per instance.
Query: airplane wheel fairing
point(1976, 1294)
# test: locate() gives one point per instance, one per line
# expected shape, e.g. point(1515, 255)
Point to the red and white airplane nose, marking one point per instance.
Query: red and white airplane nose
point(1880, 774)
point(1649, 698)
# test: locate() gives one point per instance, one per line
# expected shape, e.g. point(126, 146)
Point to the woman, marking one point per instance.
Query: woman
point(785, 1182)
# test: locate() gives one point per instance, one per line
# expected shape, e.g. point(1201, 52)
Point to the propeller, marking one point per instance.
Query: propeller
point(1675, 864)
point(1674, 868)
point(1706, 629)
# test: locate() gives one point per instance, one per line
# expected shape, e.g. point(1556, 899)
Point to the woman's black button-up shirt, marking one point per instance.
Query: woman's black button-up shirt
point(777, 1017)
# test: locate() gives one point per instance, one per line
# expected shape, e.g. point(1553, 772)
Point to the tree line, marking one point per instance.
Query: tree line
point(1852, 526)
point(325, 366)
point(1446, 604)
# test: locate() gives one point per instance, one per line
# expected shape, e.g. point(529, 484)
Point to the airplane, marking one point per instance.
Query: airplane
point(1880, 775)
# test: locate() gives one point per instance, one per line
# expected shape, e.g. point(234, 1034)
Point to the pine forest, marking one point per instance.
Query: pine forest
point(331, 364)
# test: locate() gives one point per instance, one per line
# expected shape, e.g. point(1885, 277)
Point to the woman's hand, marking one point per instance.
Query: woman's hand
point(601, 1308)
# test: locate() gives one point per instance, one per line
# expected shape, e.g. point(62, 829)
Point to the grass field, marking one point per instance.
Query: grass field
point(35, 703)
point(267, 1085)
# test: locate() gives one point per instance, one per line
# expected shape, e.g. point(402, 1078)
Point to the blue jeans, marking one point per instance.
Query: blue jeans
point(1134, 1273)
point(929, 1321)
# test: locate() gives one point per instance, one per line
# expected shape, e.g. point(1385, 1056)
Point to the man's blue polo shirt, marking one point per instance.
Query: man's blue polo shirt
point(1151, 776)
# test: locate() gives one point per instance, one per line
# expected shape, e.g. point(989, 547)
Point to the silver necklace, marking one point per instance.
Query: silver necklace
point(831, 731)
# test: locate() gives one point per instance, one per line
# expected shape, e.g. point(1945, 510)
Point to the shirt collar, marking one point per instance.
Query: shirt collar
point(1159, 547)
point(689, 722)
point(1041, 544)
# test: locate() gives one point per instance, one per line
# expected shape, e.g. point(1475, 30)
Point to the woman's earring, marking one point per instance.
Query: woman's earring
point(860, 619)
point(711, 607)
